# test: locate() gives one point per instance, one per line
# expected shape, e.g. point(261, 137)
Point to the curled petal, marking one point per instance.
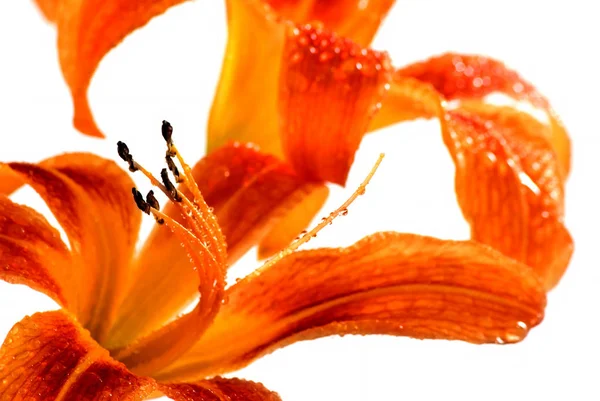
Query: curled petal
point(87, 31)
point(249, 193)
point(354, 19)
point(388, 283)
point(408, 99)
point(219, 389)
point(49, 356)
point(91, 199)
point(463, 77)
point(330, 90)
point(509, 186)
point(32, 253)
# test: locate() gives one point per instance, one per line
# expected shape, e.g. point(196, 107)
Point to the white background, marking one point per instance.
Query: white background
point(168, 70)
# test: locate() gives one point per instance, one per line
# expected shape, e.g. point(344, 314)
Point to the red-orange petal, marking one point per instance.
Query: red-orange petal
point(388, 283)
point(49, 356)
point(219, 389)
point(87, 31)
point(32, 252)
point(250, 192)
point(330, 89)
point(463, 77)
point(354, 19)
point(91, 199)
point(509, 186)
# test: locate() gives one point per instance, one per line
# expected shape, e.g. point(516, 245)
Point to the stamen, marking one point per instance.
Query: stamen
point(202, 223)
point(167, 133)
point(342, 210)
point(154, 205)
point(173, 193)
point(123, 151)
point(173, 168)
point(139, 201)
point(152, 201)
point(187, 178)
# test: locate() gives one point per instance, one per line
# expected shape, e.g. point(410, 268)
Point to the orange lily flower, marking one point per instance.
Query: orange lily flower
point(119, 334)
point(308, 95)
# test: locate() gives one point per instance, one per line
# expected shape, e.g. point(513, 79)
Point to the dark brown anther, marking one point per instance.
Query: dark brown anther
point(174, 169)
point(124, 154)
point(152, 201)
point(173, 193)
point(139, 201)
point(167, 132)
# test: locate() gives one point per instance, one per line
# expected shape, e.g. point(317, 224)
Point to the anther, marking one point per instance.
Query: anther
point(139, 201)
point(174, 169)
point(123, 151)
point(167, 132)
point(152, 201)
point(174, 194)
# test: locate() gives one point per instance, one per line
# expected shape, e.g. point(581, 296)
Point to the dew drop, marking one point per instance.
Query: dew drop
point(325, 56)
point(518, 87)
point(296, 58)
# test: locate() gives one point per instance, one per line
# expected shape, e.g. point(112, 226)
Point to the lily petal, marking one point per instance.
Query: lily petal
point(91, 199)
point(388, 283)
point(87, 31)
point(32, 252)
point(250, 192)
point(245, 105)
point(49, 356)
point(509, 186)
point(219, 389)
point(463, 77)
point(330, 90)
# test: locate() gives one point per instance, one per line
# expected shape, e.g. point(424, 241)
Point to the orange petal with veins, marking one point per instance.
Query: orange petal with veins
point(91, 199)
point(330, 89)
point(32, 252)
point(49, 356)
point(87, 31)
point(388, 283)
point(463, 77)
point(509, 186)
point(250, 192)
point(219, 389)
